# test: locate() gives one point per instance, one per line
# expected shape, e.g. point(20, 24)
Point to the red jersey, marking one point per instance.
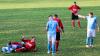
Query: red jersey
point(29, 45)
point(74, 8)
point(60, 24)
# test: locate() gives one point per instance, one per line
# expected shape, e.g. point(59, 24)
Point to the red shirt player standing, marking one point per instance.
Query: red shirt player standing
point(74, 9)
point(58, 31)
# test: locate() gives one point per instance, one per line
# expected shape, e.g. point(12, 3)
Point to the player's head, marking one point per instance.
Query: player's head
point(55, 16)
point(91, 14)
point(50, 17)
point(23, 33)
point(9, 43)
point(75, 2)
point(33, 39)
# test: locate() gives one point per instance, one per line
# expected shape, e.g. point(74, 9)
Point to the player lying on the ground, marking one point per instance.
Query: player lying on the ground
point(25, 45)
point(91, 27)
point(29, 45)
point(11, 47)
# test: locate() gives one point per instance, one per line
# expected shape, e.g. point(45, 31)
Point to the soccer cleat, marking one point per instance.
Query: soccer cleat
point(48, 52)
point(91, 46)
point(87, 46)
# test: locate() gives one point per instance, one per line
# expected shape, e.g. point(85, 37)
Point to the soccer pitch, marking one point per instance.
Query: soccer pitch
point(31, 16)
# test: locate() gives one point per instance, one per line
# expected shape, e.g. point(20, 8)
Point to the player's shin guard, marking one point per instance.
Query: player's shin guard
point(53, 48)
point(57, 44)
point(48, 46)
point(73, 23)
point(79, 25)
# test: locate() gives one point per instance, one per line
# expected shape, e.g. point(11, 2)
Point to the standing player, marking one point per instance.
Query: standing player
point(91, 27)
point(51, 32)
point(74, 9)
point(58, 31)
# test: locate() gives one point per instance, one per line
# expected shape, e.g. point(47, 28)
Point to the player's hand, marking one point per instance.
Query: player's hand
point(63, 31)
point(71, 11)
point(76, 14)
point(98, 29)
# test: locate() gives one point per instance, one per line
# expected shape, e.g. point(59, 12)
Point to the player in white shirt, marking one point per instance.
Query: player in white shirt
point(91, 27)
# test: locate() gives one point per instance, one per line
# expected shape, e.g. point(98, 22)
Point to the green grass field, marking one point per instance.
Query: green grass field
point(31, 16)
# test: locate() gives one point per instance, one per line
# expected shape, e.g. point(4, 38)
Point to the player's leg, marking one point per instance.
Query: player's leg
point(53, 43)
point(4, 49)
point(88, 39)
point(49, 44)
point(73, 21)
point(92, 38)
point(57, 44)
point(57, 40)
point(19, 50)
point(73, 24)
point(10, 48)
point(79, 25)
point(91, 42)
point(78, 21)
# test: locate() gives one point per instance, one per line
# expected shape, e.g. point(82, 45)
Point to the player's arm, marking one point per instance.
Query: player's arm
point(98, 27)
point(79, 8)
point(58, 27)
point(47, 27)
point(81, 16)
point(70, 9)
point(61, 26)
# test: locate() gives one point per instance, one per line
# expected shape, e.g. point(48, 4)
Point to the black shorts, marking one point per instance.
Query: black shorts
point(74, 17)
point(57, 35)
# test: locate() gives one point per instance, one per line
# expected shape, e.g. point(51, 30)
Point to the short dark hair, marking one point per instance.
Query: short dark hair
point(91, 13)
point(50, 16)
point(74, 2)
point(56, 15)
point(9, 43)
